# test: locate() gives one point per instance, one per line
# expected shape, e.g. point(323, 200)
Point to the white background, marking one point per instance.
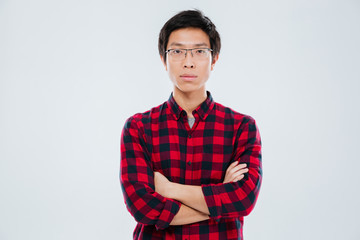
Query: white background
point(72, 72)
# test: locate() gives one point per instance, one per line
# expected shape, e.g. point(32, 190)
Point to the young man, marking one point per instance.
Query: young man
point(190, 168)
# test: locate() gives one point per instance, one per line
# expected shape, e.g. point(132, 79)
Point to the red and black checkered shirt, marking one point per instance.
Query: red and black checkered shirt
point(161, 140)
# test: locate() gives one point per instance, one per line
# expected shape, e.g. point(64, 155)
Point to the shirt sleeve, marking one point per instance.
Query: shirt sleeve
point(237, 199)
point(137, 181)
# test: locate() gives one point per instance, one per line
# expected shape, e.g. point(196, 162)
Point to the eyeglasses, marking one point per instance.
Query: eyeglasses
point(196, 53)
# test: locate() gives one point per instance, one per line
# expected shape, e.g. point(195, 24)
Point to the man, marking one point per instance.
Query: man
point(190, 168)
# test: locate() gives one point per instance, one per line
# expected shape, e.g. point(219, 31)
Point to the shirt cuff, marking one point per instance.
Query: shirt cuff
point(213, 201)
point(171, 208)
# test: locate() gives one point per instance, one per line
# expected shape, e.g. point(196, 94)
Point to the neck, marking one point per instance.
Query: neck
point(189, 101)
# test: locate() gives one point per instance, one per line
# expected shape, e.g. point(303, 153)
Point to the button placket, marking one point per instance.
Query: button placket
point(189, 158)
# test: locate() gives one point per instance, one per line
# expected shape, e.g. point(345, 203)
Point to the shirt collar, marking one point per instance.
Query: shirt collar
point(203, 110)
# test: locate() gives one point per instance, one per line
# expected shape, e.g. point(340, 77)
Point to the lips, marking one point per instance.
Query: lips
point(188, 77)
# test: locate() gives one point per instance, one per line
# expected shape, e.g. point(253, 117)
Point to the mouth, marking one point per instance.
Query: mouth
point(188, 77)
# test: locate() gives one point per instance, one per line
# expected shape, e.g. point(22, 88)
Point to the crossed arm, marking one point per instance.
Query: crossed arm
point(194, 207)
point(153, 200)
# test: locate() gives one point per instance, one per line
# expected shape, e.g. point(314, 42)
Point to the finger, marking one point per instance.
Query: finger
point(237, 168)
point(231, 166)
point(238, 178)
point(241, 171)
point(238, 173)
point(243, 165)
point(234, 179)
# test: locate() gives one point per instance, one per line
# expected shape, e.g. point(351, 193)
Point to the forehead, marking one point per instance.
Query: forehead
point(188, 38)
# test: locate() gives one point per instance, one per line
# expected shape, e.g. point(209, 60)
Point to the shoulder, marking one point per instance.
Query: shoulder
point(244, 125)
point(230, 114)
point(139, 120)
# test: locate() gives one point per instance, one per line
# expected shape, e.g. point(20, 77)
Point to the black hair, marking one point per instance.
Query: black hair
point(189, 19)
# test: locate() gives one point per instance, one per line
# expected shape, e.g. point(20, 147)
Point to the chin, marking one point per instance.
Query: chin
point(188, 89)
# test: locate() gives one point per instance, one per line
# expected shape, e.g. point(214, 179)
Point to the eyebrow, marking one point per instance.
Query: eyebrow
point(181, 45)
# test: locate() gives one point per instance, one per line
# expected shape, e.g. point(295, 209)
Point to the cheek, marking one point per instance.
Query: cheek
point(206, 70)
point(172, 71)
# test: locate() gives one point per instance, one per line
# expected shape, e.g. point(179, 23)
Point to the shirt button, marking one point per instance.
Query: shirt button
point(189, 136)
point(189, 162)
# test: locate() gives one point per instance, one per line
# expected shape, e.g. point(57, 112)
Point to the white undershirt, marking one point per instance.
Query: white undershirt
point(191, 122)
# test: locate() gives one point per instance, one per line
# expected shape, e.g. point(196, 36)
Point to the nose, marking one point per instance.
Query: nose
point(189, 60)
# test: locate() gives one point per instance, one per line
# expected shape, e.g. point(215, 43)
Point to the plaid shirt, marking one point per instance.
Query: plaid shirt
point(161, 140)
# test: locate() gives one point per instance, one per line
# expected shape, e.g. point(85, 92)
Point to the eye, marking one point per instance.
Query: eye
point(177, 51)
point(200, 51)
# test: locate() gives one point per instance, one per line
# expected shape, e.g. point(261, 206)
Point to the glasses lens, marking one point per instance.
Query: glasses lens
point(201, 53)
point(177, 54)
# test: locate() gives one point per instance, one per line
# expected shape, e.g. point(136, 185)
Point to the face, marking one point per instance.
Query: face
point(189, 75)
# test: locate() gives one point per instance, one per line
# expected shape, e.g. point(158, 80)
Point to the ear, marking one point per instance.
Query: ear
point(214, 60)
point(163, 61)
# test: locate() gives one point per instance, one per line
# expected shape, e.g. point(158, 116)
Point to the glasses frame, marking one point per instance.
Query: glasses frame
point(188, 49)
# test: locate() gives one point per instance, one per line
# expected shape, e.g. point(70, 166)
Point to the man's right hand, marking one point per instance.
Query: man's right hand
point(235, 172)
